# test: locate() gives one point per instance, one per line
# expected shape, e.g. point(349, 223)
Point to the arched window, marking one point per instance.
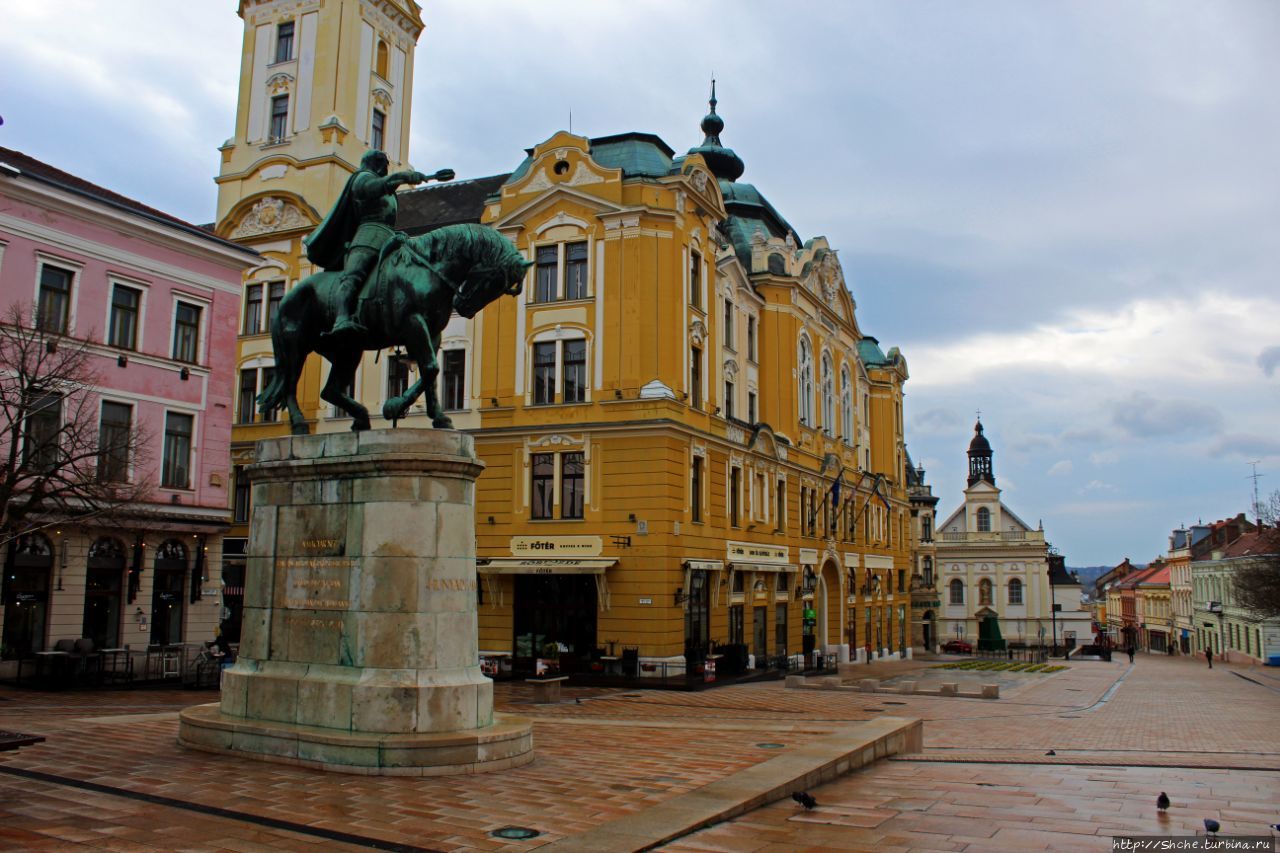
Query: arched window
point(984, 520)
point(382, 63)
point(806, 383)
point(828, 397)
point(846, 406)
point(1015, 591)
point(957, 591)
point(984, 592)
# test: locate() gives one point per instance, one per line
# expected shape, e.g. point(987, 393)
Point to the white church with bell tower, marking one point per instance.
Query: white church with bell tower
point(993, 567)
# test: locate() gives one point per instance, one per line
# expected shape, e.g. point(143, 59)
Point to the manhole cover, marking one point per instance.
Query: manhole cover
point(515, 833)
point(771, 745)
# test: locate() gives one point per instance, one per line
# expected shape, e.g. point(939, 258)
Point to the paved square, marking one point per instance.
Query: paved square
point(111, 776)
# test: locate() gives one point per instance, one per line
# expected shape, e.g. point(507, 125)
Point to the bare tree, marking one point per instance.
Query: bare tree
point(63, 457)
point(1268, 508)
point(1256, 584)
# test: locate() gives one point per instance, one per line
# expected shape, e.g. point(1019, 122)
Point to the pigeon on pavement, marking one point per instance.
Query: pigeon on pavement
point(1211, 826)
point(1162, 801)
point(804, 799)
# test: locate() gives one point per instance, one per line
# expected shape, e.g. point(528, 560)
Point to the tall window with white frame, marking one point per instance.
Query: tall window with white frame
point(544, 373)
point(751, 338)
point(575, 270)
point(984, 520)
point(1015, 591)
point(546, 271)
point(248, 393)
point(542, 467)
point(695, 280)
point(53, 308)
point(269, 415)
point(275, 295)
point(42, 431)
point(571, 485)
point(114, 429)
point(781, 515)
point(453, 372)
point(175, 464)
point(695, 490)
point(574, 371)
point(279, 118)
point(695, 378)
point(751, 408)
point(728, 398)
point(240, 504)
point(846, 406)
point(805, 383)
point(956, 591)
point(728, 326)
point(253, 309)
point(377, 132)
point(284, 41)
point(186, 332)
point(397, 375)
point(828, 397)
point(126, 302)
point(735, 496)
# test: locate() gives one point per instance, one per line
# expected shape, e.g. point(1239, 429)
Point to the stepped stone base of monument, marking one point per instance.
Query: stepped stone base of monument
point(507, 743)
point(359, 642)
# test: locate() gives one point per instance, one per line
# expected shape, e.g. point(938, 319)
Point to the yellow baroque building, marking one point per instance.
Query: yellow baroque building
point(665, 412)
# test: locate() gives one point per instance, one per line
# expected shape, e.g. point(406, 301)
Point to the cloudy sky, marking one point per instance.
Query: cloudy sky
point(1066, 214)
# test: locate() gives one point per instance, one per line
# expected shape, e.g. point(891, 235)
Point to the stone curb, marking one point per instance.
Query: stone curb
point(799, 769)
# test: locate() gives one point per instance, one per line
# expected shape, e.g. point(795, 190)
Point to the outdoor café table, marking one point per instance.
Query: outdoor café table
point(114, 669)
point(612, 664)
point(57, 662)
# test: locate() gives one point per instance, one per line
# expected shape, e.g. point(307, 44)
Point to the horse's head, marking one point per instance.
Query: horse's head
point(501, 271)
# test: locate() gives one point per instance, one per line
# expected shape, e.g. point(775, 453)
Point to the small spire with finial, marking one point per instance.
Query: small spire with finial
point(713, 101)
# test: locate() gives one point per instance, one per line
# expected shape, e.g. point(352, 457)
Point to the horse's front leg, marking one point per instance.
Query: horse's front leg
point(342, 372)
point(419, 346)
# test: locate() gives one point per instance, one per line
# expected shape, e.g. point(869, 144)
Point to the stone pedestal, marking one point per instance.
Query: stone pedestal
point(359, 644)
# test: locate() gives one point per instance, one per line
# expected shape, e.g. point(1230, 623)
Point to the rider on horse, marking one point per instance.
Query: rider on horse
point(352, 237)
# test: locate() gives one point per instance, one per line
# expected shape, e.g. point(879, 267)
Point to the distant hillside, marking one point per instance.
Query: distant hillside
point(1089, 574)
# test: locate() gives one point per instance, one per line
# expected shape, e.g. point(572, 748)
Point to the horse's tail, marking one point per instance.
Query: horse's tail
point(275, 394)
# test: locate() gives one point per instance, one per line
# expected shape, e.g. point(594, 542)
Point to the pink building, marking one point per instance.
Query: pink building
point(157, 300)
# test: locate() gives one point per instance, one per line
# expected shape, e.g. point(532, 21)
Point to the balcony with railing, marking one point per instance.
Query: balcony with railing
point(992, 537)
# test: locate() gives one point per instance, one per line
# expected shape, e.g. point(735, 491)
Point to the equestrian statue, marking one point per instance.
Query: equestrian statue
point(379, 289)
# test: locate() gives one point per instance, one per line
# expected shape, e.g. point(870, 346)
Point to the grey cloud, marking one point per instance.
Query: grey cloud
point(1246, 446)
point(1143, 416)
point(1269, 360)
point(935, 420)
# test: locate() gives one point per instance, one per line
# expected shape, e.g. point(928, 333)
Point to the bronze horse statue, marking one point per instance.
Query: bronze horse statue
point(409, 297)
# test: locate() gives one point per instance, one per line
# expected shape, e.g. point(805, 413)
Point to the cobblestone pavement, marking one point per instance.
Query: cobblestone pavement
point(984, 781)
point(111, 776)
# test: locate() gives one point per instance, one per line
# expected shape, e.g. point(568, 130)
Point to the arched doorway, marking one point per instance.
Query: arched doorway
point(830, 608)
point(28, 571)
point(929, 629)
point(167, 604)
point(104, 580)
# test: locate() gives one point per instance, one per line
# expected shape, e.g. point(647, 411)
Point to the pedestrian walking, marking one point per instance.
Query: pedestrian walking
point(1208, 655)
point(1131, 653)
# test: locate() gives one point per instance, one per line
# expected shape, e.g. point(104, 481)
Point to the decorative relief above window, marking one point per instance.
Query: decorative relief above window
point(270, 214)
